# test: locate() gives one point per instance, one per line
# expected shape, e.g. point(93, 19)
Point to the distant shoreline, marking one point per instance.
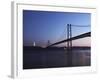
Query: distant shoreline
point(55, 48)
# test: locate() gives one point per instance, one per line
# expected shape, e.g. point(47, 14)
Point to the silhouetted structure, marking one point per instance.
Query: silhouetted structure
point(88, 34)
point(69, 45)
point(48, 43)
point(69, 42)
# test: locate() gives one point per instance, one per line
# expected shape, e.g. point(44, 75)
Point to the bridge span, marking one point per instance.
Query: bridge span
point(88, 34)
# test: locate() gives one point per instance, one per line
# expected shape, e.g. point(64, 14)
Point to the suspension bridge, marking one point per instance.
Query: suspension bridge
point(70, 39)
point(69, 36)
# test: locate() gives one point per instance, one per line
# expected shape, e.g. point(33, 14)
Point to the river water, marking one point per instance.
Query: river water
point(55, 58)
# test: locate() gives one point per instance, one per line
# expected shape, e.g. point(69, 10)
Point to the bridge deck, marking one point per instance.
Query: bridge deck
point(88, 34)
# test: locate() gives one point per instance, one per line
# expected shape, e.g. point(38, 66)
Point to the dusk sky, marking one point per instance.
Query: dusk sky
point(41, 26)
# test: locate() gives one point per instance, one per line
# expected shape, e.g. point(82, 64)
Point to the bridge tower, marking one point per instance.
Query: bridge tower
point(48, 43)
point(69, 45)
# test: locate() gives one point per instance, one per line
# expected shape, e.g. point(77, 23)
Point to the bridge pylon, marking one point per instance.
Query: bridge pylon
point(69, 45)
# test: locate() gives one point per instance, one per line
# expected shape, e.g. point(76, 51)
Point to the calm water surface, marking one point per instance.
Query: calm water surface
point(55, 58)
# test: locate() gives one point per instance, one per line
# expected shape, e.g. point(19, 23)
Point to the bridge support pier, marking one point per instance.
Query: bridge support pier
point(69, 45)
